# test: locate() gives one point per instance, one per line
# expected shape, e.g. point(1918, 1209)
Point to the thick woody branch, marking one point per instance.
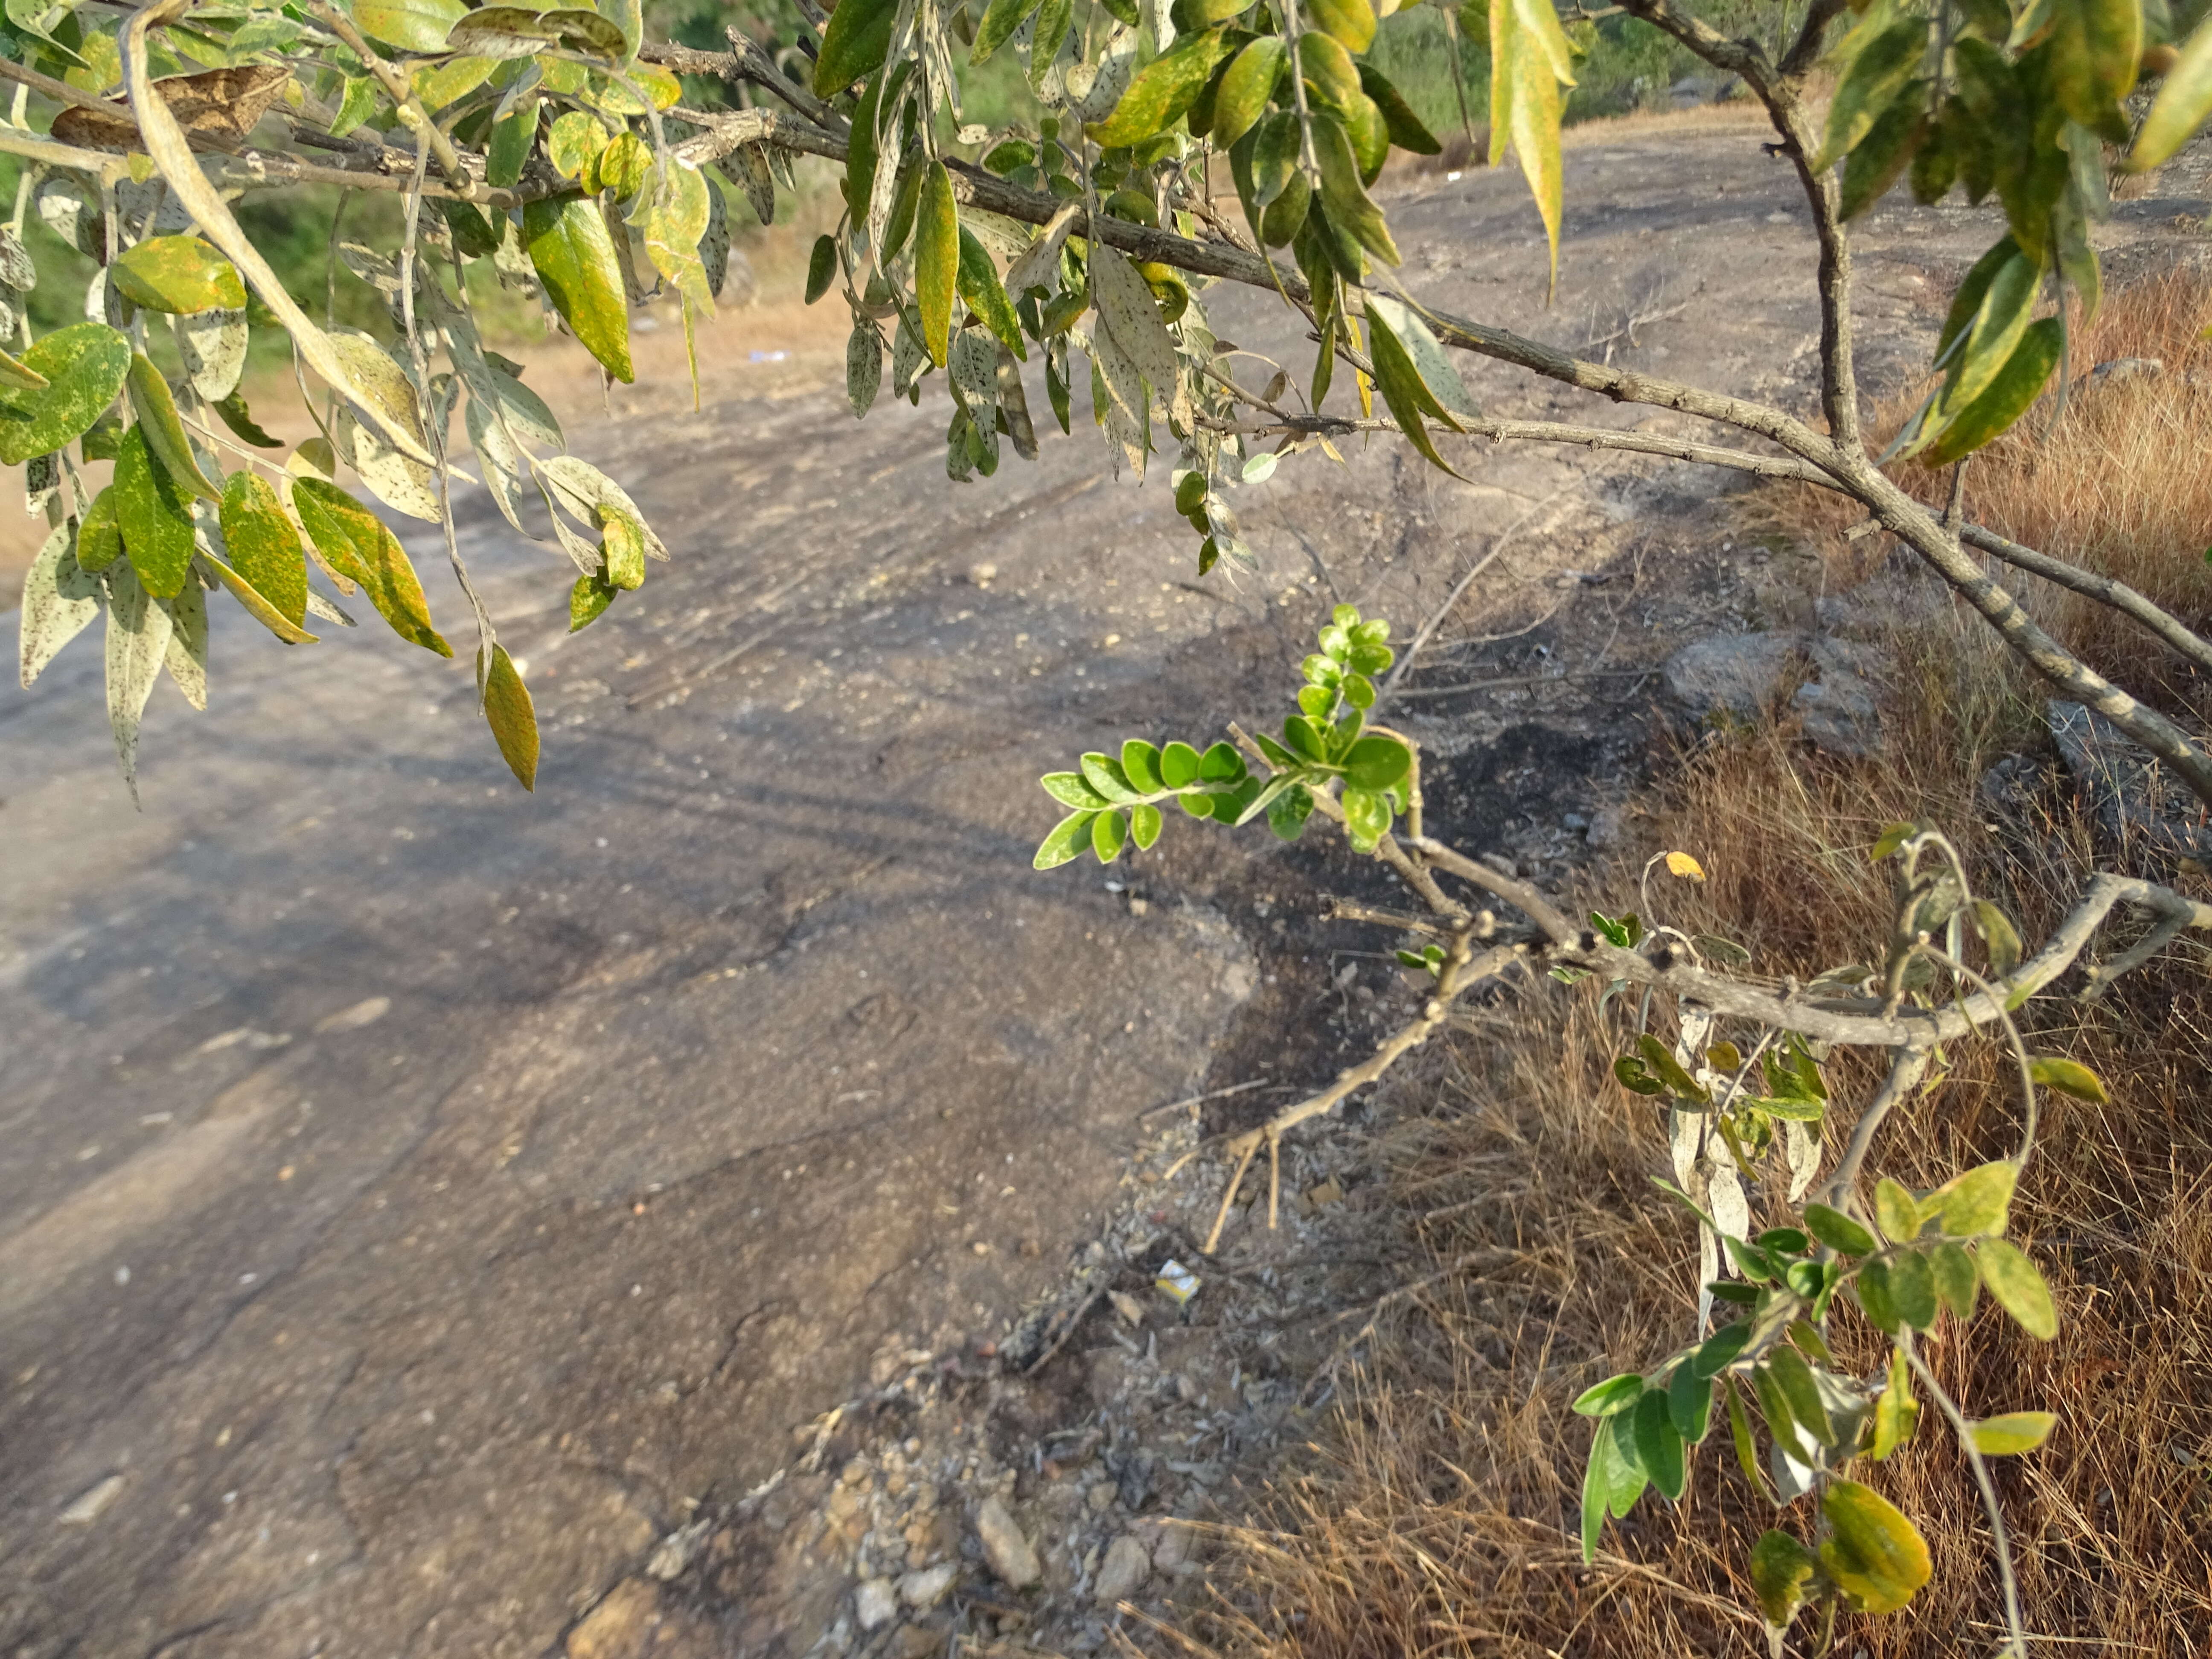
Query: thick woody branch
point(2103, 589)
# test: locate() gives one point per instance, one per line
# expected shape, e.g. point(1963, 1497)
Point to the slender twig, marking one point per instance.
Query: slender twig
point(2103, 589)
point(2015, 1626)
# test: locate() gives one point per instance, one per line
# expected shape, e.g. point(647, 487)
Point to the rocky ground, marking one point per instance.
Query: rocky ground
point(717, 1204)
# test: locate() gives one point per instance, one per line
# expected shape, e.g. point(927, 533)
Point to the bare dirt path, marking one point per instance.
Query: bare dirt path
point(415, 1195)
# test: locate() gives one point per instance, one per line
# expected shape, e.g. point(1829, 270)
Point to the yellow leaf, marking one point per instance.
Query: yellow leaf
point(1682, 864)
point(1530, 61)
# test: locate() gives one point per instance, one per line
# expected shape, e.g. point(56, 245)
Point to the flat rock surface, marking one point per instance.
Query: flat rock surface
point(417, 1194)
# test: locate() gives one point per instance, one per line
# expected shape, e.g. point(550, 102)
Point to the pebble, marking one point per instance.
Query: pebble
point(875, 1604)
point(89, 1505)
point(1005, 1547)
point(926, 1588)
point(1123, 1572)
point(1100, 1498)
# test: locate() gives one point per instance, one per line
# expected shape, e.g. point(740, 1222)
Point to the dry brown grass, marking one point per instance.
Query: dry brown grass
point(1439, 1513)
point(2121, 485)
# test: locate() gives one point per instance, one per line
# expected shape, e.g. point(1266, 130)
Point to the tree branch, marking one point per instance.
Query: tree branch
point(2103, 589)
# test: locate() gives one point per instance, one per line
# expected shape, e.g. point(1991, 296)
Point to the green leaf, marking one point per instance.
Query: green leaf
point(1179, 766)
point(2013, 1433)
point(1668, 1070)
point(567, 240)
point(164, 430)
point(1376, 762)
point(1405, 129)
point(2068, 1077)
point(589, 600)
point(1747, 1454)
point(1529, 60)
point(1839, 1231)
point(409, 25)
point(1616, 1394)
point(359, 546)
point(179, 275)
point(2016, 388)
point(264, 544)
point(936, 260)
point(1658, 1448)
point(1879, 55)
point(100, 537)
point(573, 144)
point(2018, 1287)
point(1144, 824)
point(1246, 86)
point(15, 376)
point(1108, 834)
point(1896, 1212)
point(84, 366)
point(1894, 835)
point(1631, 1073)
point(1159, 92)
point(1000, 19)
point(1956, 1280)
point(1068, 840)
point(1976, 1201)
point(1221, 764)
point(508, 148)
point(2183, 105)
point(1366, 818)
point(855, 44)
point(1350, 207)
point(1717, 1352)
point(1896, 1412)
point(821, 268)
point(1069, 789)
point(1912, 1288)
point(1999, 937)
point(513, 721)
point(1690, 1403)
point(1140, 764)
point(986, 295)
point(2095, 49)
point(1887, 150)
point(1793, 1379)
point(1782, 1572)
point(1872, 1288)
point(1352, 22)
point(240, 420)
point(1613, 1482)
point(1288, 812)
point(1104, 775)
point(155, 516)
point(1876, 1556)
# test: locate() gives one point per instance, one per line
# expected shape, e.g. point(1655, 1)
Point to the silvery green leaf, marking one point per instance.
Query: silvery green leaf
point(138, 643)
point(580, 482)
point(746, 168)
point(864, 366)
point(148, 209)
point(1014, 403)
point(328, 610)
point(1725, 1197)
point(1096, 87)
point(1802, 1144)
point(42, 478)
point(66, 210)
point(714, 245)
point(16, 271)
point(973, 362)
point(186, 653)
point(59, 602)
point(1037, 263)
point(908, 358)
point(1127, 313)
point(399, 481)
point(1118, 400)
point(214, 347)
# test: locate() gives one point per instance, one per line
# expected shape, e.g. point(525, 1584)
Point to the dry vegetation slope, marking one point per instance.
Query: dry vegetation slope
point(1442, 1516)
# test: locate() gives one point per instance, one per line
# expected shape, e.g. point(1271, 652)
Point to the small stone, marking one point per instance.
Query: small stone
point(981, 1247)
point(1123, 1572)
point(926, 1588)
point(620, 1627)
point(1005, 1547)
point(1607, 828)
point(855, 1472)
point(1031, 1247)
point(1173, 1548)
point(1127, 1306)
point(1575, 821)
point(875, 1604)
point(1329, 1192)
point(90, 1504)
point(1100, 1498)
point(912, 1642)
point(1840, 714)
